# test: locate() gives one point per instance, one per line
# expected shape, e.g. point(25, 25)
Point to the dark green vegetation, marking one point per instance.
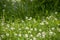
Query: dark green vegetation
point(29, 20)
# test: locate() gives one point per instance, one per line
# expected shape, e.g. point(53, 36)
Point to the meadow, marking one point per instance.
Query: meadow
point(29, 20)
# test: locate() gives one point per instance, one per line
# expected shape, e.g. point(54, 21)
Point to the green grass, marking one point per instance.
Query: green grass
point(31, 29)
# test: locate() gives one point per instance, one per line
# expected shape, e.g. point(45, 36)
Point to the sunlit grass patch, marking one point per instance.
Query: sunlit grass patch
point(30, 29)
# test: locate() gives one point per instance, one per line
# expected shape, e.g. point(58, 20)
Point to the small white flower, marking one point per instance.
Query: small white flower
point(19, 35)
point(55, 18)
point(42, 23)
point(12, 28)
point(56, 12)
point(27, 28)
point(26, 17)
point(35, 29)
point(22, 21)
point(38, 35)
point(46, 22)
point(31, 29)
point(7, 25)
point(43, 34)
point(7, 34)
point(26, 35)
point(50, 33)
point(31, 35)
point(52, 28)
point(30, 18)
point(19, 29)
point(34, 38)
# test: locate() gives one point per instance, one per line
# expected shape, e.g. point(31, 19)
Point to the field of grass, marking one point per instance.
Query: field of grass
point(47, 28)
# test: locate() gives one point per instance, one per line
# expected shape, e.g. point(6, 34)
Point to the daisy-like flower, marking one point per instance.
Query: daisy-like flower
point(43, 34)
point(56, 12)
point(50, 33)
point(26, 35)
point(35, 29)
point(34, 38)
point(12, 28)
point(31, 29)
point(19, 35)
point(8, 25)
point(7, 34)
point(31, 35)
point(38, 35)
point(42, 23)
point(52, 28)
point(27, 28)
point(30, 18)
point(26, 17)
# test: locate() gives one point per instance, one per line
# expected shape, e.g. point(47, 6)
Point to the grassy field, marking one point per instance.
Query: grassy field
point(47, 28)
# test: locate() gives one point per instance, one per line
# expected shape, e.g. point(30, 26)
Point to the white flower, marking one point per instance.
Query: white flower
point(31, 35)
point(35, 29)
point(22, 21)
point(46, 22)
point(34, 20)
point(42, 23)
point(19, 35)
point(50, 33)
point(26, 17)
point(19, 29)
point(56, 12)
point(31, 29)
point(7, 34)
point(27, 28)
point(43, 34)
point(12, 28)
point(34, 38)
point(30, 18)
point(38, 35)
point(7, 25)
point(26, 35)
point(52, 28)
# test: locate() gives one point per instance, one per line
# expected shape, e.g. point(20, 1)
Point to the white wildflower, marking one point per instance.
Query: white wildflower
point(43, 34)
point(31, 29)
point(7, 34)
point(34, 38)
point(12, 28)
point(42, 23)
point(52, 28)
point(15, 34)
point(31, 35)
point(26, 17)
point(19, 35)
point(35, 29)
point(38, 35)
point(30, 18)
point(56, 12)
point(27, 28)
point(26, 35)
